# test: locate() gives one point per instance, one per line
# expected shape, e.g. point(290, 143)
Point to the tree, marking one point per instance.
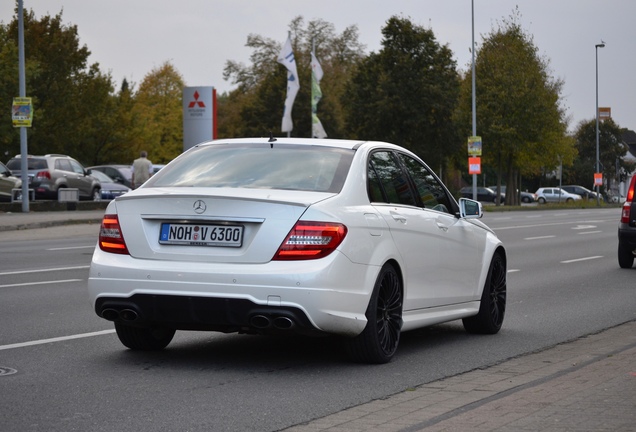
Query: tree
point(611, 153)
point(70, 97)
point(255, 108)
point(519, 116)
point(406, 93)
point(158, 115)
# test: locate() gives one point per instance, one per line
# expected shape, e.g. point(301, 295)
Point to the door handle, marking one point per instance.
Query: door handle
point(398, 217)
point(442, 226)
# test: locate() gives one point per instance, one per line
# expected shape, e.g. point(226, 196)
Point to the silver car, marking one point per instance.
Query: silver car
point(7, 182)
point(49, 173)
point(555, 195)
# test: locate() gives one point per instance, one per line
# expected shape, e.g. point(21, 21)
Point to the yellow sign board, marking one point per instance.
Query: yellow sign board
point(474, 146)
point(22, 112)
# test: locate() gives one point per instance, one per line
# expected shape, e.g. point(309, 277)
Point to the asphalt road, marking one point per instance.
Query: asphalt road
point(63, 369)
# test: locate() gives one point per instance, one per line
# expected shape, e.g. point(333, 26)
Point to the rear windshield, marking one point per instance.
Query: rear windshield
point(33, 164)
point(290, 167)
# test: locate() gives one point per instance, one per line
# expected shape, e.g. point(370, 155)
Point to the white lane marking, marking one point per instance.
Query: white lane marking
point(582, 227)
point(581, 259)
point(43, 270)
point(590, 232)
point(513, 270)
point(71, 247)
point(539, 238)
point(41, 283)
point(543, 225)
point(57, 339)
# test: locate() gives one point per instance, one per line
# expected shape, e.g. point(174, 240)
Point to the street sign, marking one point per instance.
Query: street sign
point(474, 165)
point(598, 179)
point(474, 146)
point(22, 112)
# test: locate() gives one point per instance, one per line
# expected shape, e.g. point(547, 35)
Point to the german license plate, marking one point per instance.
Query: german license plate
point(201, 235)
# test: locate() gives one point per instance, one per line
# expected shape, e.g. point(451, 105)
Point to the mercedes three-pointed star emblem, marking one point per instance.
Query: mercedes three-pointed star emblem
point(199, 206)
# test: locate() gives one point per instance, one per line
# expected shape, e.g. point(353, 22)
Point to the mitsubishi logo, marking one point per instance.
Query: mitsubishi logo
point(196, 101)
point(199, 206)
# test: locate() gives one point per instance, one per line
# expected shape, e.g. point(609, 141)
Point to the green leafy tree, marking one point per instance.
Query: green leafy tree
point(117, 129)
point(70, 96)
point(611, 153)
point(158, 115)
point(519, 116)
point(406, 93)
point(255, 108)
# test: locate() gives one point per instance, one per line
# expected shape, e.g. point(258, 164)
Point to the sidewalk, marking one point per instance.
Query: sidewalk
point(18, 221)
point(585, 385)
point(588, 384)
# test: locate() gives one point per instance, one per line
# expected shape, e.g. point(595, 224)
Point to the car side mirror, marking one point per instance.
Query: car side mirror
point(470, 209)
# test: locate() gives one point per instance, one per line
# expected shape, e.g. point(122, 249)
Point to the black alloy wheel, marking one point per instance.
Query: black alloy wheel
point(493, 301)
point(379, 340)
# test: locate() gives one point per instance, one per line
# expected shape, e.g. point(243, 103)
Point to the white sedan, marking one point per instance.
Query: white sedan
point(351, 238)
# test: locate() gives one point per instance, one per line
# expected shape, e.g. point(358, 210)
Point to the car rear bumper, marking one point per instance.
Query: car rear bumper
point(329, 295)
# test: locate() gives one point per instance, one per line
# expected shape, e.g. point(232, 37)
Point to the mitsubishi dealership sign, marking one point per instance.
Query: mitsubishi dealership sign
point(199, 115)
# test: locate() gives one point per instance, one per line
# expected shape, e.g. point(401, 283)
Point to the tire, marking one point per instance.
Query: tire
point(97, 194)
point(379, 340)
point(525, 200)
point(625, 257)
point(541, 200)
point(144, 338)
point(493, 301)
point(569, 200)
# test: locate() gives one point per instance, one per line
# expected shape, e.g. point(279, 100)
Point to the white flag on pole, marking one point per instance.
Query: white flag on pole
point(317, 131)
point(286, 58)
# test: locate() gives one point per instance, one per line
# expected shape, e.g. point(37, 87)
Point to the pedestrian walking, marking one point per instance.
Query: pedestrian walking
point(142, 170)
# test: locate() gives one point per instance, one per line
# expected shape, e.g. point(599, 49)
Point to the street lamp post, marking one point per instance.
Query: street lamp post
point(598, 169)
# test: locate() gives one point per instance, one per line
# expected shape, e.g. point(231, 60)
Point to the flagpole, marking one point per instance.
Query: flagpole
point(289, 37)
point(311, 100)
point(286, 58)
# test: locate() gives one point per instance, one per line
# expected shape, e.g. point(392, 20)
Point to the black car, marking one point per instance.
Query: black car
point(484, 194)
point(627, 229)
point(110, 188)
point(526, 197)
point(585, 193)
point(120, 173)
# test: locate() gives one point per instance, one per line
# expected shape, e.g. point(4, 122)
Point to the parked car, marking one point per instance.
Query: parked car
point(525, 197)
point(580, 190)
point(555, 195)
point(157, 167)
point(50, 172)
point(110, 188)
point(627, 228)
point(120, 173)
point(484, 194)
point(280, 236)
point(8, 182)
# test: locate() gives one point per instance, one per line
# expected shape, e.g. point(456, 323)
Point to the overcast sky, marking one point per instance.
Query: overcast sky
point(128, 38)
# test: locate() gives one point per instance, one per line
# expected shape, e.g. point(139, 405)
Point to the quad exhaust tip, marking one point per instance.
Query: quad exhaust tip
point(125, 314)
point(264, 322)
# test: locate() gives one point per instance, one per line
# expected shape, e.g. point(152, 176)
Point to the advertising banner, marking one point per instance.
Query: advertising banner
point(22, 112)
point(199, 115)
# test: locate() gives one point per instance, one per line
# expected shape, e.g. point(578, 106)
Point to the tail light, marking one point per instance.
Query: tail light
point(627, 205)
point(43, 174)
point(110, 237)
point(311, 240)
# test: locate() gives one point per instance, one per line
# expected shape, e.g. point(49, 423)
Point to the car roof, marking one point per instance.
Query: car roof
point(346, 144)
